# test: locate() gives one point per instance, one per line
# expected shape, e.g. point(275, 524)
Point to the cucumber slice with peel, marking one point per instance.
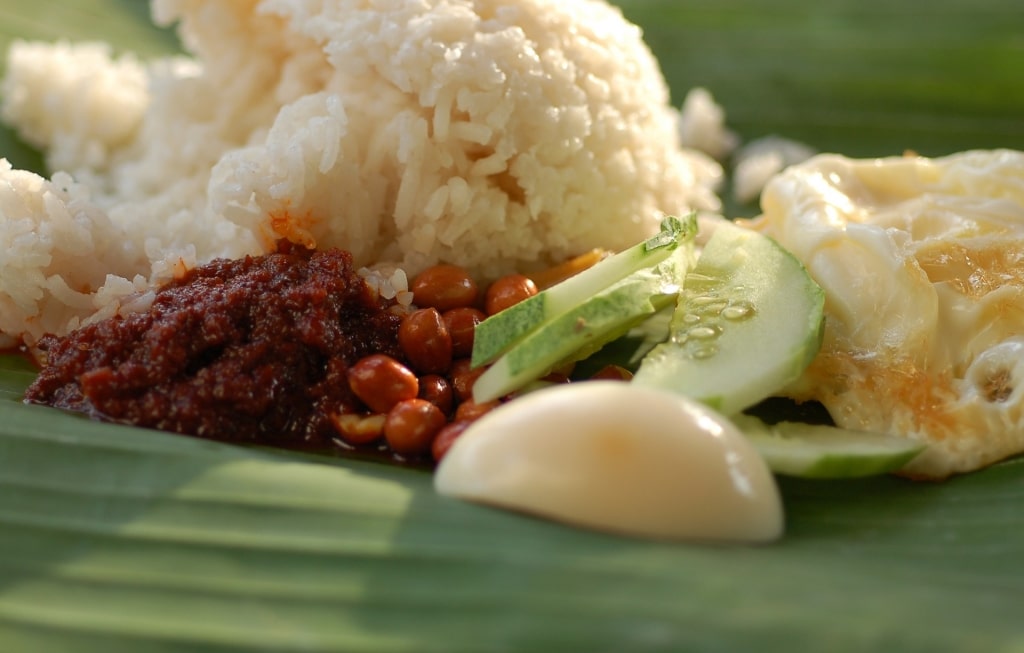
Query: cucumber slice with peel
point(821, 451)
point(578, 333)
point(500, 332)
point(748, 322)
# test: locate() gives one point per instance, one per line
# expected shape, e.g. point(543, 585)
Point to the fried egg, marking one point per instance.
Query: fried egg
point(922, 263)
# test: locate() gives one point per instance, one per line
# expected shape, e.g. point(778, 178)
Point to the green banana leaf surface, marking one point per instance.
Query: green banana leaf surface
point(116, 539)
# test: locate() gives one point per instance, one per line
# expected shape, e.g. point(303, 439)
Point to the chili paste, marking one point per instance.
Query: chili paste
point(253, 350)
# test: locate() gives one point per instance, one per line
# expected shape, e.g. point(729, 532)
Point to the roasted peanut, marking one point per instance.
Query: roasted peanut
point(461, 323)
point(437, 390)
point(445, 438)
point(380, 382)
point(411, 426)
point(463, 376)
point(444, 287)
point(425, 341)
point(508, 291)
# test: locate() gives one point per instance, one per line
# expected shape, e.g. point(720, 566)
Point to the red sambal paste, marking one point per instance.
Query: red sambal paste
point(252, 350)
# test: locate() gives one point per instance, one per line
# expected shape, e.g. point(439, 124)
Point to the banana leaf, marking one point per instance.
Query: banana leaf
point(118, 539)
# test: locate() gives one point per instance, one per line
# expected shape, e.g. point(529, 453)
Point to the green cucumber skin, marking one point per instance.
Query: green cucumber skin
point(826, 452)
point(753, 357)
point(580, 332)
point(499, 333)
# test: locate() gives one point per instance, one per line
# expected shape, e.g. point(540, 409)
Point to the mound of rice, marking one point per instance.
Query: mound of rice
point(493, 135)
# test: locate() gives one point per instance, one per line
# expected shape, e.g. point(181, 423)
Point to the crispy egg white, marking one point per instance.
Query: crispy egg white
point(922, 263)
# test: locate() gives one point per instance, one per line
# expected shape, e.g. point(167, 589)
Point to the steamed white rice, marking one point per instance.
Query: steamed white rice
point(493, 135)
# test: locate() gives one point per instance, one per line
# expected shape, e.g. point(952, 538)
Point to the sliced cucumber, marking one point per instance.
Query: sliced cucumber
point(749, 320)
point(821, 451)
point(579, 332)
point(498, 333)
